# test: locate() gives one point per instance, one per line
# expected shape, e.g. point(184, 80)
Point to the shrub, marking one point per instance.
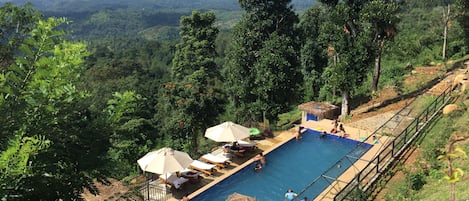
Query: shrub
point(416, 180)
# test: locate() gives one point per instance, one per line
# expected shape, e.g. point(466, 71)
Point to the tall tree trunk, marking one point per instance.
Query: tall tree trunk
point(445, 32)
point(345, 104)
point(377, 70)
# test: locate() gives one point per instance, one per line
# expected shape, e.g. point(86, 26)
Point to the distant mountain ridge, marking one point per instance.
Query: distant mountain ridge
point(93, 5)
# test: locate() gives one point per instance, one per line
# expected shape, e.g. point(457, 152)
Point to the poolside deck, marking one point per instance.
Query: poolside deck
point(349, 174)
point(269, 144)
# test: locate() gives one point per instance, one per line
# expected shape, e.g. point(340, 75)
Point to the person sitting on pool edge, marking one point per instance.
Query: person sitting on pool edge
point(335, 123)
point(301, 129)
point(342, 131)
point(290, 195)
point(260, 157)
point(185, 198)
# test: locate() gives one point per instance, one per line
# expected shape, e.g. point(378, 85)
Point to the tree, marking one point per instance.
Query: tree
point(54, 140)
point(329, 2)
point(15, 23)
point(275, 74)
point(350, 51)
point(263, 21)
point(313, 57)
point(382, 16)
point(463, 18)
point(193, 99)
point(132, 135)
point(446, 21)
point(14, 162)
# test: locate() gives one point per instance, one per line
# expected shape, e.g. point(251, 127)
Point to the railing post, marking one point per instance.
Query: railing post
point(378, 161)
point(405, 134)
point(417, 124)
point(358, 177)
point(392, 148)
point(426, 115)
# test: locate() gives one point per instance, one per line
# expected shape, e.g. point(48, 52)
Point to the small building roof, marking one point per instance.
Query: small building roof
point(319, 109)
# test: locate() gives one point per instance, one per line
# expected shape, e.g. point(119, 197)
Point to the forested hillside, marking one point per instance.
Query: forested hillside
point(91, 6)
point(83, 97)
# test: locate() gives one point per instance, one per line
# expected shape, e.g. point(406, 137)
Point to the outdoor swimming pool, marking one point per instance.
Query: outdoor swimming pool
point(291, 166)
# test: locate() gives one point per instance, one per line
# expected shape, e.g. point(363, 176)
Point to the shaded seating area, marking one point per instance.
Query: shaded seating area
point(173, 180)
point(219, 161)
point(207, 169)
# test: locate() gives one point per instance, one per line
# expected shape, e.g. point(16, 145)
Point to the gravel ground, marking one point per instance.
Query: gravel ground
point(372, 123)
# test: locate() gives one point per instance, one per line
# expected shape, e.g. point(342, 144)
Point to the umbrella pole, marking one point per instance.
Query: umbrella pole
point(165, 182)
point(148, 187)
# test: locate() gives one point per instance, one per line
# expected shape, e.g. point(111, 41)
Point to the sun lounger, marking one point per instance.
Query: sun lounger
point(219, 161)
point(222, 153)
point(246, 145)
point(206, 168)
point(190, 174)
point(173, 180)
point(238, 152)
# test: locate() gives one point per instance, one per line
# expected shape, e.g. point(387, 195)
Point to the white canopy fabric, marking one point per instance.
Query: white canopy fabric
point(227, 132)
point(164, 160)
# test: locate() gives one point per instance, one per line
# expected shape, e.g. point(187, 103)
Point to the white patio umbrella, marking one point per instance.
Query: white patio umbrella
point(227, 132)
point(164, 160)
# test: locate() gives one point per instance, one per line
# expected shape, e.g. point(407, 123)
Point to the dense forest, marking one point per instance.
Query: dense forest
point(87, 88)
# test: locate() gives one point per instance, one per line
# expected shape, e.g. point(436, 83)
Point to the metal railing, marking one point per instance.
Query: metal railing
point(366, 177)
point(155, 191)
point(393, 150)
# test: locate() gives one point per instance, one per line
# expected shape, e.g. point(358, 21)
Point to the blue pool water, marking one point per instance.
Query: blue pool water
point(291, 166)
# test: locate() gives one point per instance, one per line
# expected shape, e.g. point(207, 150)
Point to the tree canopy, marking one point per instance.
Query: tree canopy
point(56, 147)
point(193, 97)
point(255, 80)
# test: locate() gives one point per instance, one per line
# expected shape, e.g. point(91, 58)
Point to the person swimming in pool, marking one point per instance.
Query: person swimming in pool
point(290, 195)
point(323, 134)
point(258, 166)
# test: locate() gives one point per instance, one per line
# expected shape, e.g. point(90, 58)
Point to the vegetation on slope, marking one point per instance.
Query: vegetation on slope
point(429, 169)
